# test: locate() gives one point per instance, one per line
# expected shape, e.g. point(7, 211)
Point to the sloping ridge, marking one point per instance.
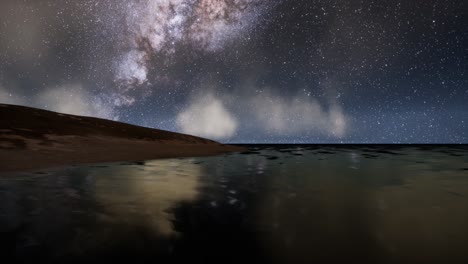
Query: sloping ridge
point(33, 122)
point(32, 138)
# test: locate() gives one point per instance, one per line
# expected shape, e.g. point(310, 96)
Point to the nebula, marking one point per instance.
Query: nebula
point(155, 27)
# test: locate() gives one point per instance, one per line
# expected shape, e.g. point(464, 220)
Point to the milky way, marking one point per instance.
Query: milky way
point(155, 27)
point(246, 70)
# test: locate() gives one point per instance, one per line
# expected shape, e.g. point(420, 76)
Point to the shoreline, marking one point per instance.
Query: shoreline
point(102, 150)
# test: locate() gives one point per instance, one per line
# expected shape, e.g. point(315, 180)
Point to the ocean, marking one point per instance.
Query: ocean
point(270, 204)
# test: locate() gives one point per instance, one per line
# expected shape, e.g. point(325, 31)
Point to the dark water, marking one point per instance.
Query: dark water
point(272, 204)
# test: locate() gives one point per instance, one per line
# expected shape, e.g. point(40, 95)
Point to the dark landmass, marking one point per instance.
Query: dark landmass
point(32, 138)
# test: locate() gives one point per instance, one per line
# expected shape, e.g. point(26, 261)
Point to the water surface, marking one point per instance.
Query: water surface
point(271, 204)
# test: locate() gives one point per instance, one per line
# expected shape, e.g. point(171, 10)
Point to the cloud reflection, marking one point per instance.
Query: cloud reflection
point(146, 193)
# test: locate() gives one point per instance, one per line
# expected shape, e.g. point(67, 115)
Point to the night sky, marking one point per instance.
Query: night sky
point(246, 71)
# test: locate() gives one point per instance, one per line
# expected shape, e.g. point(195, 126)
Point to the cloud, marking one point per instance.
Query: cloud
point(267, 113)
point(7, 97)
point(207, 116)
point(68, 99)
point(73, 99)
point(288, 116)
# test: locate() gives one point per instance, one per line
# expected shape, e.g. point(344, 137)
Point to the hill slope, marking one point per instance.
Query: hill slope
point(31, 138)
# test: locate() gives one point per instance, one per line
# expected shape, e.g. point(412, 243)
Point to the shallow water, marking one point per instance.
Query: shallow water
point(271, 204)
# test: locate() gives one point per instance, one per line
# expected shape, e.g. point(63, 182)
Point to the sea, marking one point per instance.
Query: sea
point(268, 204)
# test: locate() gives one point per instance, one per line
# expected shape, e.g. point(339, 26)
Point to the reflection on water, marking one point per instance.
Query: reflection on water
point(271, 204)
point(84, 210)
point(129, 194)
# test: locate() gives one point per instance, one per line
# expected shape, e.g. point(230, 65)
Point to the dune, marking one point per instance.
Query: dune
point(32, 138)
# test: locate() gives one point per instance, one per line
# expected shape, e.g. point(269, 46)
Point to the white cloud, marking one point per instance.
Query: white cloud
point(207, 116)
point(68, 99)
point(73, 99)
point(288, 116)
point(7, 97)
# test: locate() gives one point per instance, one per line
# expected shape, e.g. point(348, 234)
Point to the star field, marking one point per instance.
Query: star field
point(246, 71)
